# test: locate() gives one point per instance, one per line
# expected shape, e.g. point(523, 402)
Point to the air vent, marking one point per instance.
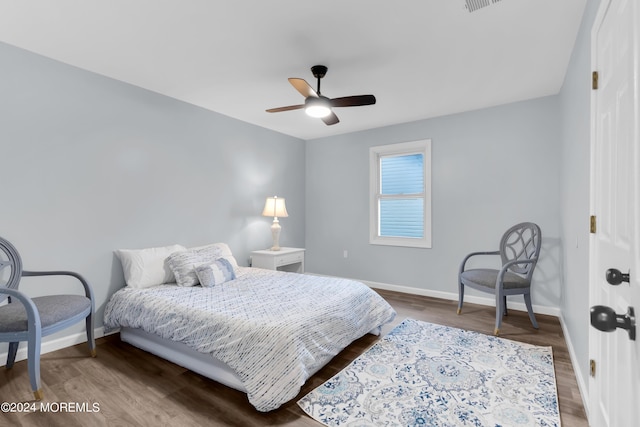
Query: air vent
point(473, 5)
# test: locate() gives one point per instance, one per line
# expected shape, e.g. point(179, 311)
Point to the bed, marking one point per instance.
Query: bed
point(262, 332)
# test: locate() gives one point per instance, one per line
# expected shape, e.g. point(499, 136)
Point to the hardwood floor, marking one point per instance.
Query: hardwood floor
point(134, 388)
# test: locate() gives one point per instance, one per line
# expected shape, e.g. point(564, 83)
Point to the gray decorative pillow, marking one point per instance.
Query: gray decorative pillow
point(183, 263)
point(216, 273)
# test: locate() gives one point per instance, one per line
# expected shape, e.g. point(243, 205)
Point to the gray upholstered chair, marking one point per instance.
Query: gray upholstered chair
point(29, 319)
point(519, 251)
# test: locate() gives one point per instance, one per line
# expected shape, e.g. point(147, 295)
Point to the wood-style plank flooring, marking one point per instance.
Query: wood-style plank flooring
point(134, 388)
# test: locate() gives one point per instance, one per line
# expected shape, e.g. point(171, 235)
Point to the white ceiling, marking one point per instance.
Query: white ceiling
point(420, 58)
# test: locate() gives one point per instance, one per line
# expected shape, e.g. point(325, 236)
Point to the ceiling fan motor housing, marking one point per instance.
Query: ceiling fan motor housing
point(319, 71)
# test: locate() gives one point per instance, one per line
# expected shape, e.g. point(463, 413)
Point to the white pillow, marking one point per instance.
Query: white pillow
point(184, 263)
point(147, 267)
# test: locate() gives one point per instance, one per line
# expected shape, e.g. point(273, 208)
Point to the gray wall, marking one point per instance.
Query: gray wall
point(575, 108)
point(90, 165)
point(491, 168)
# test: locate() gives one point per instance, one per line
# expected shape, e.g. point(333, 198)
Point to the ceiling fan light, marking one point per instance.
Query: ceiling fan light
point(317, 107)
point(318, 111)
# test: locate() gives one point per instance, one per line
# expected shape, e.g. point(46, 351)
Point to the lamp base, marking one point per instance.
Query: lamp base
point(275, 234)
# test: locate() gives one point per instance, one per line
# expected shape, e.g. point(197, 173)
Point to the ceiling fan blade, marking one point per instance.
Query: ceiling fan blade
point(303, 87)
point(288, 108)
point(353, 101)
point(331, 119)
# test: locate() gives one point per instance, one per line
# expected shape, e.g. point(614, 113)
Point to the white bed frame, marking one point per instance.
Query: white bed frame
point(181, 354)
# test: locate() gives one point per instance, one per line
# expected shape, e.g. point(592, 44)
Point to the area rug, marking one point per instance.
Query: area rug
point(422, 374)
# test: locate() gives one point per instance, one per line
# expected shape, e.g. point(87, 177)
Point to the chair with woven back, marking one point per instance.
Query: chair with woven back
point(519, 251)
point(29, 319)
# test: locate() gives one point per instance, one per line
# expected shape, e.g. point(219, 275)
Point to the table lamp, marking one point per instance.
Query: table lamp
point(275, 207)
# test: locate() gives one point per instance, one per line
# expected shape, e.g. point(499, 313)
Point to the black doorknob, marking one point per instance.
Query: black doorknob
point(615, 276)
point(605, 319)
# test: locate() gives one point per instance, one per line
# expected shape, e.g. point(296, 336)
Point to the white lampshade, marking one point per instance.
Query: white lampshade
point(275, 207)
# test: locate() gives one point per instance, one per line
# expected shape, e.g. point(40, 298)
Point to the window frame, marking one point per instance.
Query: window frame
point(375, 181)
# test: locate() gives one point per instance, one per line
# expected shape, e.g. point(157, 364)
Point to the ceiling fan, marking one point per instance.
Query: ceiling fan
point(317, 105)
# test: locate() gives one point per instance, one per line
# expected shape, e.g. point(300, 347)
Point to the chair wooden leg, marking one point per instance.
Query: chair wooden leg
point(11, 354)
point(499, 311)
point(532, 317)
point(90, 338)
point(33, 360)
point(460, 297)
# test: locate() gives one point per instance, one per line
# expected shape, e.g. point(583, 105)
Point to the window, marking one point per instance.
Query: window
point(400, 200)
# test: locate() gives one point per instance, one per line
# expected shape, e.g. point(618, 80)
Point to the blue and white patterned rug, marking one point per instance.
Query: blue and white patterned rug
point(422, 374)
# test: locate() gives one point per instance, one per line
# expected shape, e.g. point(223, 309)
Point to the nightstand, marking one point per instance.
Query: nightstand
point(286, 259)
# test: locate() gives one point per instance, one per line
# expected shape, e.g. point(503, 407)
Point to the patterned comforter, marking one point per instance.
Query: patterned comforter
point(272, 328)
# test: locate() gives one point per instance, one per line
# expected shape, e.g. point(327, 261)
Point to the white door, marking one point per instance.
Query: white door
point(614, 389)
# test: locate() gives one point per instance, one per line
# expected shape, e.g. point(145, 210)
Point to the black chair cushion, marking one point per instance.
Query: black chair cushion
point(487, 278)
point(52, 309)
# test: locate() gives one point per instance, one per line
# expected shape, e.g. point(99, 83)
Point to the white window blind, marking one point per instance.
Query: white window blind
point(401, 200)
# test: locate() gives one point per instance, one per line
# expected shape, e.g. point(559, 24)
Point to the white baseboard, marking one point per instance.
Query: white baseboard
point(53, 345)
point(583, 386)
point(520, 306)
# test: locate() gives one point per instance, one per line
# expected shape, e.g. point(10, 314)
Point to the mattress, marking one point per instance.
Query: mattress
point(273, 329)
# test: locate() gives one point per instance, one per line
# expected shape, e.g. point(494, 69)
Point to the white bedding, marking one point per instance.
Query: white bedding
point(273, 328)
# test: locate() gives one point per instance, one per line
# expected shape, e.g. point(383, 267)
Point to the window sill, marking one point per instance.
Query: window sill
point(399, 241)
